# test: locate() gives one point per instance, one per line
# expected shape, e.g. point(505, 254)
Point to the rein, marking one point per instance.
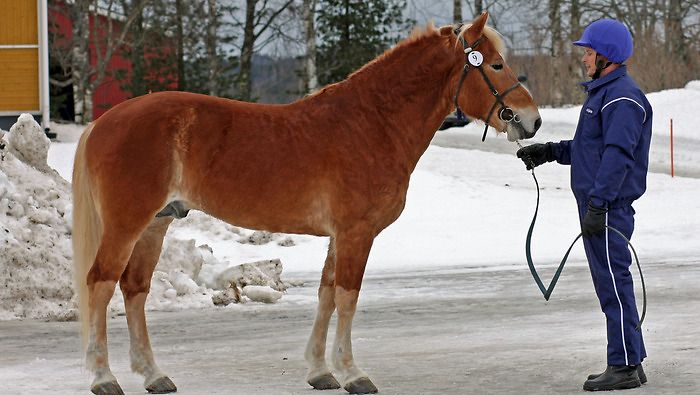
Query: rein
point(475, 58)
point(547, 291)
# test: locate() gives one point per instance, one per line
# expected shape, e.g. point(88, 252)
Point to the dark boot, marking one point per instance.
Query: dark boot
point(640, 373)
point(618, 377)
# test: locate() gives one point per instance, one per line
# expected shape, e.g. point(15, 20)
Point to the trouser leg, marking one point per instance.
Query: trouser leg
point(609, 260)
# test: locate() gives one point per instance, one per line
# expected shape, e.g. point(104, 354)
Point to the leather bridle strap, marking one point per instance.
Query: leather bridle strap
point(505, 114)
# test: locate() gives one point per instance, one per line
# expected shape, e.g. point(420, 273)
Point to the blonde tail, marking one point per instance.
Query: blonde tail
point(87, 231)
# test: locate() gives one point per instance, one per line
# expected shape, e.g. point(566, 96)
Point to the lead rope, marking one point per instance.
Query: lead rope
point(547, 291)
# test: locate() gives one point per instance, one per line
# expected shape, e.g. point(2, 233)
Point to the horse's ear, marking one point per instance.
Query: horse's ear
point(478, 25)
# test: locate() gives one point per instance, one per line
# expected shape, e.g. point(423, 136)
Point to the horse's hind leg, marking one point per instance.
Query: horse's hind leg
point(319, 375)
point(112, 256)
point(135, 284)
point(352, 250)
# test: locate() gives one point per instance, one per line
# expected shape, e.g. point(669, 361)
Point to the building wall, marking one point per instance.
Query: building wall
point(110, 92)
point(19, 57)
point(112, 89)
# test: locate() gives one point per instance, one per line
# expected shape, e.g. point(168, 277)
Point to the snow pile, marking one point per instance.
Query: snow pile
point(35, 212)
point(190, 276)
point(36, 252)
point(694, 85)
point(28, 142)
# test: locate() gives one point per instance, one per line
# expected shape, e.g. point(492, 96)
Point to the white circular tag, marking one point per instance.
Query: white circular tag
point(475, 58)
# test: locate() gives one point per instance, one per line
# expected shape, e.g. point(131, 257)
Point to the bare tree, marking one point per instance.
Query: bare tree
point(180, 39)
point(457, 11)
point(79, 13)
point(676, 43)
point(478, 7)
point(257, 22)
point(136, 38)
point(310, 77)
point(211, 45)
point(86, 75)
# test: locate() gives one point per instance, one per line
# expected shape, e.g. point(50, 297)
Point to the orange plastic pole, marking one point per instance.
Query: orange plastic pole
point(672, 169)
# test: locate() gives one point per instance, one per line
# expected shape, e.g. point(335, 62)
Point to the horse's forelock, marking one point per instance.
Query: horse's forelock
point(492, 35)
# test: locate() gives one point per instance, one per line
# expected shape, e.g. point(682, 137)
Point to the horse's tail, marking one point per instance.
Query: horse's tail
point(86, 231)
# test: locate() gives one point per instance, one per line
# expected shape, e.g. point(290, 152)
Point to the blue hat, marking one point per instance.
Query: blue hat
point(609, 38)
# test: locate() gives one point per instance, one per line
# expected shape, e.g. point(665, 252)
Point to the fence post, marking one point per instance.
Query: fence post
point(672, 167)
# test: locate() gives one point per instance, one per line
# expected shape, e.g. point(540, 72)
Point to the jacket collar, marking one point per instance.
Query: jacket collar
point(593, 84)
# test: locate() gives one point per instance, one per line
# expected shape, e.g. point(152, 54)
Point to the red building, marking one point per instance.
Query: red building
point(114, 87)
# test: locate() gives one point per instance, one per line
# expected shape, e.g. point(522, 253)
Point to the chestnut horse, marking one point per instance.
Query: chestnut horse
point(336, 163)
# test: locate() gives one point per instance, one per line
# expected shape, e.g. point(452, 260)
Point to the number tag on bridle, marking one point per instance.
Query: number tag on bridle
point(475, 58)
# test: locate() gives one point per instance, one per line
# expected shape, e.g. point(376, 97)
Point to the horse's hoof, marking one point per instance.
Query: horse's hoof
point(162, 385)
point(324, 382)
point(108, 388)
point(363, 385)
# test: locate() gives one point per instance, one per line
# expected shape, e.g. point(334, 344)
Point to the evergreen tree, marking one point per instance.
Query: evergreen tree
point(353, 32)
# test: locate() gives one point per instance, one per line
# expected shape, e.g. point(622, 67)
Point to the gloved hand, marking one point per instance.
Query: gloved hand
point(594, 220)
point(536, 154)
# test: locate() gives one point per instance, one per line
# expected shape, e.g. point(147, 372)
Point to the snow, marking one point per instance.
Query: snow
point(467, 209)
point(35, 249)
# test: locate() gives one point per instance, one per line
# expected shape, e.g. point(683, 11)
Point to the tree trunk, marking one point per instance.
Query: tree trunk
point(310, 76)
point(478, 7)
point(180, 38)
point(575, 69)
point(457, 11)
point(244, 80)
point(138, 66)
point(211, 43)
point(555, 51)
point(80, 60)
point(675, 31)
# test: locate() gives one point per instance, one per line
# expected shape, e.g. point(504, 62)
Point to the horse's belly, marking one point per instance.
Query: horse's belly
point(275, 209)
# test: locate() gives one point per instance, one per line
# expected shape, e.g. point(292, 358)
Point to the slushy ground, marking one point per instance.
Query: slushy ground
point(451, 331)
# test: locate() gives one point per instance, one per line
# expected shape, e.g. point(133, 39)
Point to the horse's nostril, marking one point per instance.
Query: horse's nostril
point(538, 123)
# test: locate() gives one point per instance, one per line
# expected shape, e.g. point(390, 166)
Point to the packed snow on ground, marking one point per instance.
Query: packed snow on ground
point(465, 208)
point(36, 253)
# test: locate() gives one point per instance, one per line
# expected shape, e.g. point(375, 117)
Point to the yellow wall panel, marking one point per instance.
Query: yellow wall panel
point(18, 22)
point(19, 79)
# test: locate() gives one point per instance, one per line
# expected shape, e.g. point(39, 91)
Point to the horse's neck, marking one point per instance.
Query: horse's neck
point(406, 93)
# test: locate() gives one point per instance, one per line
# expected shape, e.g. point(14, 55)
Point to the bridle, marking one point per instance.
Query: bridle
point(475, 59)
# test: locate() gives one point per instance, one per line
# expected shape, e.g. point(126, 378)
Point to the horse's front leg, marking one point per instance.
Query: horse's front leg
point(319, 375)
point(352, 251)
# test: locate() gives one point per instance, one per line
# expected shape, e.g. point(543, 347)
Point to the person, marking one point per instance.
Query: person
point(609, 158)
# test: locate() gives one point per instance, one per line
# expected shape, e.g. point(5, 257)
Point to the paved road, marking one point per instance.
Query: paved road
point(456, 331)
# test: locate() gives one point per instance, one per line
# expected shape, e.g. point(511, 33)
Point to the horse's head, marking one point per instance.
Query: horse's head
point(488, 89)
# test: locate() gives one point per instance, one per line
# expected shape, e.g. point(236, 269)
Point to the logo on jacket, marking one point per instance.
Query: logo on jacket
point(589, 110)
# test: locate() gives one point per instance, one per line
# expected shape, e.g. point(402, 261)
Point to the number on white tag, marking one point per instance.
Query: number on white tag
point(475, 58)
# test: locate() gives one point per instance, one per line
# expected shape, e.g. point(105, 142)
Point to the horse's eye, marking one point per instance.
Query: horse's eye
point(497, 66)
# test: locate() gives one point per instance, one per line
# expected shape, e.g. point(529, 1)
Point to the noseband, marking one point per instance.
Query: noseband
point(475, 59)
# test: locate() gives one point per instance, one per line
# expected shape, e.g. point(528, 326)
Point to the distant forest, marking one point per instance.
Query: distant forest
point(275, 51)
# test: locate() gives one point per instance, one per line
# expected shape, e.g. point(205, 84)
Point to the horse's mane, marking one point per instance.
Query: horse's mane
point(418, 34)
point(421, 33)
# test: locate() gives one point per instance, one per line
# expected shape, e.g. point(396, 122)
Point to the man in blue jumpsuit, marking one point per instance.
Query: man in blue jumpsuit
point(609, 157)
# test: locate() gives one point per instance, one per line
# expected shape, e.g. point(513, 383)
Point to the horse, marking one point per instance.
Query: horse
point(335, 163)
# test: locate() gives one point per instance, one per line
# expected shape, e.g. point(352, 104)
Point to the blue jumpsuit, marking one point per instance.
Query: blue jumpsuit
point(609, 157)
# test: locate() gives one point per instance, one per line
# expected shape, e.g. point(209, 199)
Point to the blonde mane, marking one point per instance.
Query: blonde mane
point(418, 33)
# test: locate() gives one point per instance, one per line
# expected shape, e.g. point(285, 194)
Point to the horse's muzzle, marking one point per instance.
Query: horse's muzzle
point(522, 130)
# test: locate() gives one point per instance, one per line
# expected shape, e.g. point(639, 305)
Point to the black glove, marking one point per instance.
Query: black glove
point(594, 220)
point(536, 154)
